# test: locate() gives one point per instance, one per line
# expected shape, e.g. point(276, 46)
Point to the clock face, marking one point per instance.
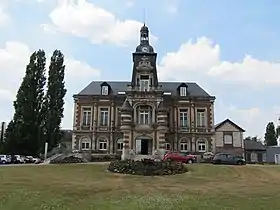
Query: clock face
point(144, 49)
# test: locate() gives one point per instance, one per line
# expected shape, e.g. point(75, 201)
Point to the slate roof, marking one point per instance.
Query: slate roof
point(94, 88)
point(229, 121)
point(253, 145)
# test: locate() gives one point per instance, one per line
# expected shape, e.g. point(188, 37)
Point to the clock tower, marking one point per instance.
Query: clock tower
point(144, 75)
point(144, 118)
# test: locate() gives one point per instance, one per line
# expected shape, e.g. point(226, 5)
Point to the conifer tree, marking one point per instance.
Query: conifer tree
point(54, 100)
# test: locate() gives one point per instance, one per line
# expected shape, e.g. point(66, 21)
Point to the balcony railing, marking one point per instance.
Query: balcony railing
point(137, 88)
point(195, 129)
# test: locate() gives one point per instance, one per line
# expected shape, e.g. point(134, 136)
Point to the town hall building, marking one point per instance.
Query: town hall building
point(144, 114)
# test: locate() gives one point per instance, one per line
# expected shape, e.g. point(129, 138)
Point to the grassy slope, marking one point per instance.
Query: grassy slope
point(82, 187)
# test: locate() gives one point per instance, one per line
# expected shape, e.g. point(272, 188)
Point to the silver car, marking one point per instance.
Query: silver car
point(5, 159)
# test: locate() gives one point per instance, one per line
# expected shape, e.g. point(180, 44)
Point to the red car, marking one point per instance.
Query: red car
point(180, 157)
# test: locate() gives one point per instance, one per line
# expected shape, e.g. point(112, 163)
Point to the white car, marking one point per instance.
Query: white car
point(37, 160)
point(5, 159)
point(75, 151)
point(19, 159)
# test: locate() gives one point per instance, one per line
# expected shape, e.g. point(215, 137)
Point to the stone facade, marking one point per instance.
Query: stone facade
point(143, 115)
point(229, 138)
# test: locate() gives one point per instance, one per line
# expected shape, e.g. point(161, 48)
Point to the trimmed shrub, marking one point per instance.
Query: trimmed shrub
point(147, 167)
point(104, 157)
point(70, 159)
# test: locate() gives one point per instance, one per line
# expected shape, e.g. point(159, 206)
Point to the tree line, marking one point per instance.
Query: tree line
point(271, 135)
point(38, 108)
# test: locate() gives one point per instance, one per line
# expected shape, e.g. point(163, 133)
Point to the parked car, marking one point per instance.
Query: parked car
point(208, 155)
point(30, 159)
point(226, 158)
point(5, 159)
point(180, 157)
point(37, 160)
point(75, 151)
point(17, 159)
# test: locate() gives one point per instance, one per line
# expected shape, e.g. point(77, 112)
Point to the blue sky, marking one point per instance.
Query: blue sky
point(231, 48)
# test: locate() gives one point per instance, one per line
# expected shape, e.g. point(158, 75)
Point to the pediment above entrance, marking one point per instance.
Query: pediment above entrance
point(144, 129)
point(143, 136)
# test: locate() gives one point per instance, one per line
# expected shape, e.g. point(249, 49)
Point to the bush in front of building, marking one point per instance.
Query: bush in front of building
point(104, 157)
point(147, 167)
point(69, 159)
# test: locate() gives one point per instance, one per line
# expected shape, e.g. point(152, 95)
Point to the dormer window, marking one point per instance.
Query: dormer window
point(183, 91)
point(105, 90)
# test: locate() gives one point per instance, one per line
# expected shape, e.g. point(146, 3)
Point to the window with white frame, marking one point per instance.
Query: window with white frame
point(144, 115)
point(183, 117)
point(120, 144)
point(201, 146)
point(104, 90)
point(228, 140)
point(103, 120)
point(103, 144)
point(200, 118)
point(87, 112)
point(183, 91)
point(144, 83)
point(85, 144)
point(183, 147)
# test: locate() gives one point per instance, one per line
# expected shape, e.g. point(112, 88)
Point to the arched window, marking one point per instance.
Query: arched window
point(184, 146)
point(103, 144)
point(119, 144)
point(144, 114)
point(85, 143)
point(201, 145)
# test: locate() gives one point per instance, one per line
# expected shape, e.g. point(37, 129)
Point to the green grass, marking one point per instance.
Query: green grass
point(82, 187)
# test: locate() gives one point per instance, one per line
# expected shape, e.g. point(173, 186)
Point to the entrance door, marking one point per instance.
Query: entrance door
point(144, 146)
point(138, 146)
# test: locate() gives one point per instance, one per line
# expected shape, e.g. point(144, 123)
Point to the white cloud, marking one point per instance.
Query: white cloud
point(13, 60)
point(4, 17)
point(201, 61)
point(171, 6)
point(129, 4)
point(203, 57)
point(252, 119)
point(86, 20)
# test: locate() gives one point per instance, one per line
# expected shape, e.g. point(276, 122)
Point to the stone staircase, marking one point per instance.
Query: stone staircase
point(53, 157)
point(85, 157)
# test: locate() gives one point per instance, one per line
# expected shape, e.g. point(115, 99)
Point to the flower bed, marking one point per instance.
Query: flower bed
point(70, 159)
point(147, 167)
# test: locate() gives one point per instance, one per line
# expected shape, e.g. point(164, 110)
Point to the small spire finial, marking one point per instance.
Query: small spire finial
point(144, 16)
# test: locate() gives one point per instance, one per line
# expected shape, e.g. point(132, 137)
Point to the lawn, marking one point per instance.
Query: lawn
point(88, 186)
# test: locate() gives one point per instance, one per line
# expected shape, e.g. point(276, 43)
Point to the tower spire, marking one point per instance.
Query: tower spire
point(144, 16)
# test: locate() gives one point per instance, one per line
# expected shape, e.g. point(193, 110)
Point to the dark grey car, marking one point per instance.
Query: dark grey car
point(226, 158)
